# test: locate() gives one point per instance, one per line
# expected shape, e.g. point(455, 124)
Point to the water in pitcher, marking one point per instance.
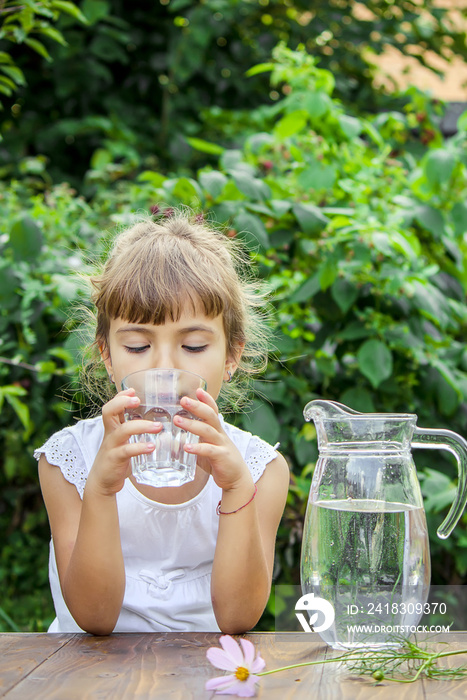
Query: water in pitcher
point(370, 560)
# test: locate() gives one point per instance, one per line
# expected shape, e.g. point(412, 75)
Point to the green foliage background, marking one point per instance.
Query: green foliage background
point(351, 203)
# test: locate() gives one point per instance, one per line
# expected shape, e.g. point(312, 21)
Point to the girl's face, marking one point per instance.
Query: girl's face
point(195, 343)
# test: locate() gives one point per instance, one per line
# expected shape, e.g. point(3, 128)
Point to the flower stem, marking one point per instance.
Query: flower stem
point(305, 663)
point(429, 659)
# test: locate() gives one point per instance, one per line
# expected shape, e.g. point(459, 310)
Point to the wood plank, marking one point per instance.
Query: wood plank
point(20, 654)
point(284, 649)
point(122, 665)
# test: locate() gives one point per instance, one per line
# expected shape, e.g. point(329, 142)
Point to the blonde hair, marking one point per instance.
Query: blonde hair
point(156, 268)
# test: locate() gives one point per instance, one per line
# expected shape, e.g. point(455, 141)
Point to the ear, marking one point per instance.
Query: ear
point(232, 361)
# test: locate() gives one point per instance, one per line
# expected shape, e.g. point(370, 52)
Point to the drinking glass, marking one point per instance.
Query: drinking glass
point(160, 391)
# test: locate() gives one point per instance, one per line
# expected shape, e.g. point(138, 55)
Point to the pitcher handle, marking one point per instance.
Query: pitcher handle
point(454, 443)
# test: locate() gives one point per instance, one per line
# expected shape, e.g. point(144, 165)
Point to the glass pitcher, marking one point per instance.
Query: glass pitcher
point(365, 542)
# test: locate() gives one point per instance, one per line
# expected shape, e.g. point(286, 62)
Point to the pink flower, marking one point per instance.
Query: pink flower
point(241, 661)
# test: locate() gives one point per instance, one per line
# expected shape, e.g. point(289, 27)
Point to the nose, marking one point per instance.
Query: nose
point(162, 358)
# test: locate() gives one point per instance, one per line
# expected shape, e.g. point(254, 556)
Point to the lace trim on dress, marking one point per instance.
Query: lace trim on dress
point(258, 456)
point(60, 450)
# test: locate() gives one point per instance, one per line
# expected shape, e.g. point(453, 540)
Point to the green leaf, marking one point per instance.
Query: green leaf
point(12, 390)
point(438, 166)
point(213, 182)
point(438, 490)
point(95, 10)
point(373, 133)
point(317, 176)
point(344, 294)
point(53, 34)
point(388, 241)
point(325, 363)
point(45, 369)
point(69, 8)
point(20, 408)
point(26, 239)
point(7, 82)
point(291, 124)
point(353, 331)
point(101, 158)
point(351, 126)
point(251, 230)
point(260, 68)
point(359, 399)
point(305, 447)
point(155, 179)
point(327, 273)
point(375, 361)
point(450, 379)
point(317, 104)
point(281, 238)
point(8, 287)
point(407, 243)
point(231, 159)
point(431, 219)
point(459, 216)
point(280, 207)
point(14, 73)
point(205, 146)
point(187, 190)
point(310, 218)
point(5, 90)
point(430, 302)
point(257, 142)
point(448, 396)
point(38, 48)
point(462, 122)
point(262, 421)
point(306, 290)
point(252, 187)
point(67, 287)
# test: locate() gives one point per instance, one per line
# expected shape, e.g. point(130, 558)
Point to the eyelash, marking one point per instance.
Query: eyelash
point(188, 348)
point(194, 348)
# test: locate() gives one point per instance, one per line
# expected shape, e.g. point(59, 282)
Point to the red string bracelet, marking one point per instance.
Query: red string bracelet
point(231, 512)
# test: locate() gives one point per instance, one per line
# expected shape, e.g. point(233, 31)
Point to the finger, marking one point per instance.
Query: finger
point(113, 410)
point(205, 410)
point(205, 397)
point(204, 449)
point(135, 449)
point(137, 427)
point(206, 432)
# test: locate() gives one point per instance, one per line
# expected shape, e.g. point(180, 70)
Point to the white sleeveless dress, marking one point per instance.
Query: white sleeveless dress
point(168, 550)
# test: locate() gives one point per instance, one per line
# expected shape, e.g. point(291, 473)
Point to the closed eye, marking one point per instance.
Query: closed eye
point(140, 348)
point(194, 348)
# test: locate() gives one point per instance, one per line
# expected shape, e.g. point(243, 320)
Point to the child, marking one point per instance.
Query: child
point(131, 558)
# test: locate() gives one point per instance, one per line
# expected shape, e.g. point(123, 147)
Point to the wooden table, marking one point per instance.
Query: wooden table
point(172, 665)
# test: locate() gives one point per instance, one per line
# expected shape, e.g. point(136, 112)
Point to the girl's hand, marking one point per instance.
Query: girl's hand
point(112, 464)
point(216, 452)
